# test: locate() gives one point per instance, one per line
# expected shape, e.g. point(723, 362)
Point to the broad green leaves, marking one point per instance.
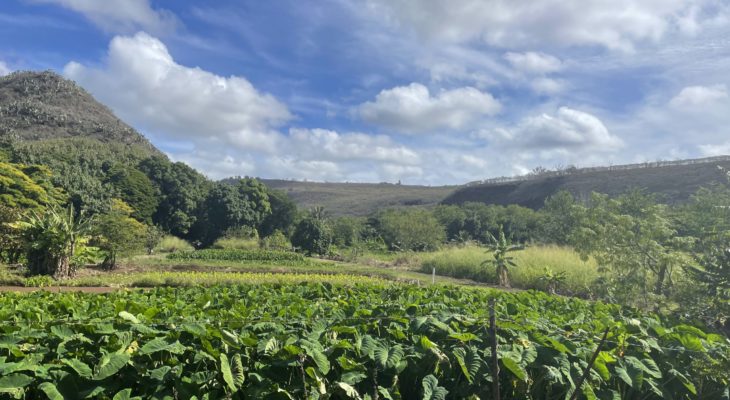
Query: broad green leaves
point(341, 341)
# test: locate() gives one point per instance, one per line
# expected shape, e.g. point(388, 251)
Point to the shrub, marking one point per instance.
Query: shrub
point(39, 281)
point(312, 235)
point(275, 241)
point(172, 244)
point(416, 230)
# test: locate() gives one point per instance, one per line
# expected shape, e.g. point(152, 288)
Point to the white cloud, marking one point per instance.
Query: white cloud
point(413, 109)
point(121, 16)
point(618, 24)
point(566, 130)
point(329, 145)
point(547, 85)
point(534, 63)
point(146, 87)
point(4, 69)
point(722, 149)
point(693, 96)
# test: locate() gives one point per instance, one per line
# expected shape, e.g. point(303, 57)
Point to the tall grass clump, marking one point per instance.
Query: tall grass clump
point(172, 244)
point(535, 268)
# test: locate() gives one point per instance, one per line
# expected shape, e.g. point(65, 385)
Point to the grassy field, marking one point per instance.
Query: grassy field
point(358, 199)
point(534, 265)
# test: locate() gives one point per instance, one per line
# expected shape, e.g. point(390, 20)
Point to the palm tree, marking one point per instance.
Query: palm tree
point(51, 238)
point(501, 260)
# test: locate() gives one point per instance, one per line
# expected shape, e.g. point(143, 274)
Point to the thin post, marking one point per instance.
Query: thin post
point(495, 359)
point(590, 365)
point(433, 276)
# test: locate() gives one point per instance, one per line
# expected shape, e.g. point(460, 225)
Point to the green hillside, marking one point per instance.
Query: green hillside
point(359, 199)
point(673, 183)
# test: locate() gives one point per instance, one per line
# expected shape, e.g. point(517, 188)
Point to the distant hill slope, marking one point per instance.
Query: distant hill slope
point(358, 198)
point(44, 105)
point(673, 182)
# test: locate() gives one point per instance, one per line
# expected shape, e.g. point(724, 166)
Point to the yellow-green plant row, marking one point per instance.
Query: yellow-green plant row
point(318, 340)
point(195, 278)
point(237, 255)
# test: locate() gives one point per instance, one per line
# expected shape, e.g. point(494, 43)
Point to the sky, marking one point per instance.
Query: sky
point(423, 92)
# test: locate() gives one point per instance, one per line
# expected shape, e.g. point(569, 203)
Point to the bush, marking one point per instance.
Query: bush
point(238, 238)
point(39, 281)
point(276, 241)
point(172, 244)
point(312, 235)
point(415, 229)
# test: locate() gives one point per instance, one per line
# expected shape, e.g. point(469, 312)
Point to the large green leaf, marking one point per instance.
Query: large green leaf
point(469, 362)
point(388, 357)
point(15, 381)
point(128, 317)
point(225, 368)
point(432, 390)
point(161, 344)
point(110, 364)
point(50, 391)
point(515, 368)
point(79, 366)
point(349, 390)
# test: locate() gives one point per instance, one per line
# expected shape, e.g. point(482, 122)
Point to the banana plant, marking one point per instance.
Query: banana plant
point(501, 260)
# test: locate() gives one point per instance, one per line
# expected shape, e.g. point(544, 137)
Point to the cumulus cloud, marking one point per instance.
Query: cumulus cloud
point(534, 63)
point(618, 24)
point(329, 145)
point(722, 149)
point(4, 69)
point(141, 82)
point(121, 16)
point(413, 109)
point(566, 130)
point(693, 96)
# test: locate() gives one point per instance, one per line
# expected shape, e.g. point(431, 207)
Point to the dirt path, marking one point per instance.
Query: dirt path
point(57, 289)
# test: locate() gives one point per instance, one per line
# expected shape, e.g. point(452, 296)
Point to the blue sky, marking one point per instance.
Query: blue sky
point(426, 92)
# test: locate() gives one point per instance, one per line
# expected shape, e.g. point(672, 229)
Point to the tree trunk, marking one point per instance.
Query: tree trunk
point(503, 277)
point(62, 268)
point(661, 277)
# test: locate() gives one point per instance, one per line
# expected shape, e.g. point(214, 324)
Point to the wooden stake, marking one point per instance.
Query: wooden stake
point(590, 365)
point(495, 359)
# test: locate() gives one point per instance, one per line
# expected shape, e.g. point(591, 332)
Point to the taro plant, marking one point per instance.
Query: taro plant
point(553, 279)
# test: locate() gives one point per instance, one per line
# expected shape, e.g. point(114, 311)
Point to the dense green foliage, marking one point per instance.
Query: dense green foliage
point(243, 203)
point(282, 217)
point(408, 229)
point(79, 166)
point(479, 222)
point(135, 189)
point(361, 341)
point(118, 234)
point(312, 235)
point(26, 186)
point(181, 190)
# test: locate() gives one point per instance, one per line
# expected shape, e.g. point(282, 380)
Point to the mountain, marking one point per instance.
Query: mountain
point(358, 199)
point(44, 105)
point(672, 181)
point(49, 120)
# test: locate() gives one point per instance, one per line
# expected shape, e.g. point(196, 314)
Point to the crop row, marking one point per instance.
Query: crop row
point(237, 255)
point(318, 340)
